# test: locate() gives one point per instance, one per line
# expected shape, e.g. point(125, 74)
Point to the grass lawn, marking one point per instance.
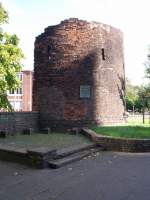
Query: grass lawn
point(138, 122)
point(133, 129)
point(124, 131)
point(54, 140)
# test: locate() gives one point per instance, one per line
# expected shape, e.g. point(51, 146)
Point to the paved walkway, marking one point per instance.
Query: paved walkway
point(108, 176)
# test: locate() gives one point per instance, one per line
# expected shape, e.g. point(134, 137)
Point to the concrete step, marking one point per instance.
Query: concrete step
point(44, 152)
point(72, 158)
point(71, 150)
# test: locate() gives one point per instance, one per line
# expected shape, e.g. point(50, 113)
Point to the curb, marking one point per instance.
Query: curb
point(118, 144)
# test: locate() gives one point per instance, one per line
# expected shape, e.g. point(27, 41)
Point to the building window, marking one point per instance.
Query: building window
point(19, 90)
point(17, 105)
point(12, 91)
point(85, 91)
point(19, 76)
point(103, 54)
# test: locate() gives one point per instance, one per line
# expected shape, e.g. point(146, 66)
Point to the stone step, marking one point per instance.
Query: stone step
point(72, 158)
point(71, 150)
point(42, 152)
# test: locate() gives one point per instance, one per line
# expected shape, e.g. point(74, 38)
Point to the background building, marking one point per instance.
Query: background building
point(21, 99)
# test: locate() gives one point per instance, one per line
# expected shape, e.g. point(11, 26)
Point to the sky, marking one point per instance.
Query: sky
point(29, 18)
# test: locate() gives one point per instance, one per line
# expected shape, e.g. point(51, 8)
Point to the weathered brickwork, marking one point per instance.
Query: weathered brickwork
point(16, 122)
point(70, 56)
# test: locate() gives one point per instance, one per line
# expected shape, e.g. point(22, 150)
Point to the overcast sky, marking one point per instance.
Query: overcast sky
point(28, 18)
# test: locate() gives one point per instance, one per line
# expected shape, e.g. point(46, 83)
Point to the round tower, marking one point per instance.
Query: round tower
point(79, 74)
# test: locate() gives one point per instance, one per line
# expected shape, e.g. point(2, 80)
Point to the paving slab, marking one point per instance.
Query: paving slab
point(105, 175)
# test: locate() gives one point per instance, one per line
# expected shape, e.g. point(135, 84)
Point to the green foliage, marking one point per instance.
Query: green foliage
point(3, 15)
point(132, 100)
point(10, 61)
point(137, 97)
point(144, 96)
point(147, 64)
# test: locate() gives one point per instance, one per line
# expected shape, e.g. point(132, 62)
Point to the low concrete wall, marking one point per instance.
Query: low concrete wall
point(17, 122)
point(118, 144)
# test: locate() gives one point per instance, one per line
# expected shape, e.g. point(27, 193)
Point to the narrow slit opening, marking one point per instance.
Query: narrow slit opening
point(103, 54)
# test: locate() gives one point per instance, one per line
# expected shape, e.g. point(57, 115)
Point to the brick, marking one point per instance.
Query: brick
point(74, 53)
point(16, 122)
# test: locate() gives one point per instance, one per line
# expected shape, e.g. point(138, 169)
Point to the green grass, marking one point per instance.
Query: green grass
point(133, 129)
point(138, 122)
point(54, 140)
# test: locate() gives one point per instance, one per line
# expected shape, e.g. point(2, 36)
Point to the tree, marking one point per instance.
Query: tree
point(147, 64)
point(10, 61)
point(131, 96)
point(144, 96)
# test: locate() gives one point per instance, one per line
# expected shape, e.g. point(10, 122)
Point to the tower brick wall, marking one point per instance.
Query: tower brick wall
point(79, 74)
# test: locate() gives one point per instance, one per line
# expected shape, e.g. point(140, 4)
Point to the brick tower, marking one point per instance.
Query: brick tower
point(79, 74)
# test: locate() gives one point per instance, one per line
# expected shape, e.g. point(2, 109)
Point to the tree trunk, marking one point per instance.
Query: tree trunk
point(133, 109)
point(143, 111)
